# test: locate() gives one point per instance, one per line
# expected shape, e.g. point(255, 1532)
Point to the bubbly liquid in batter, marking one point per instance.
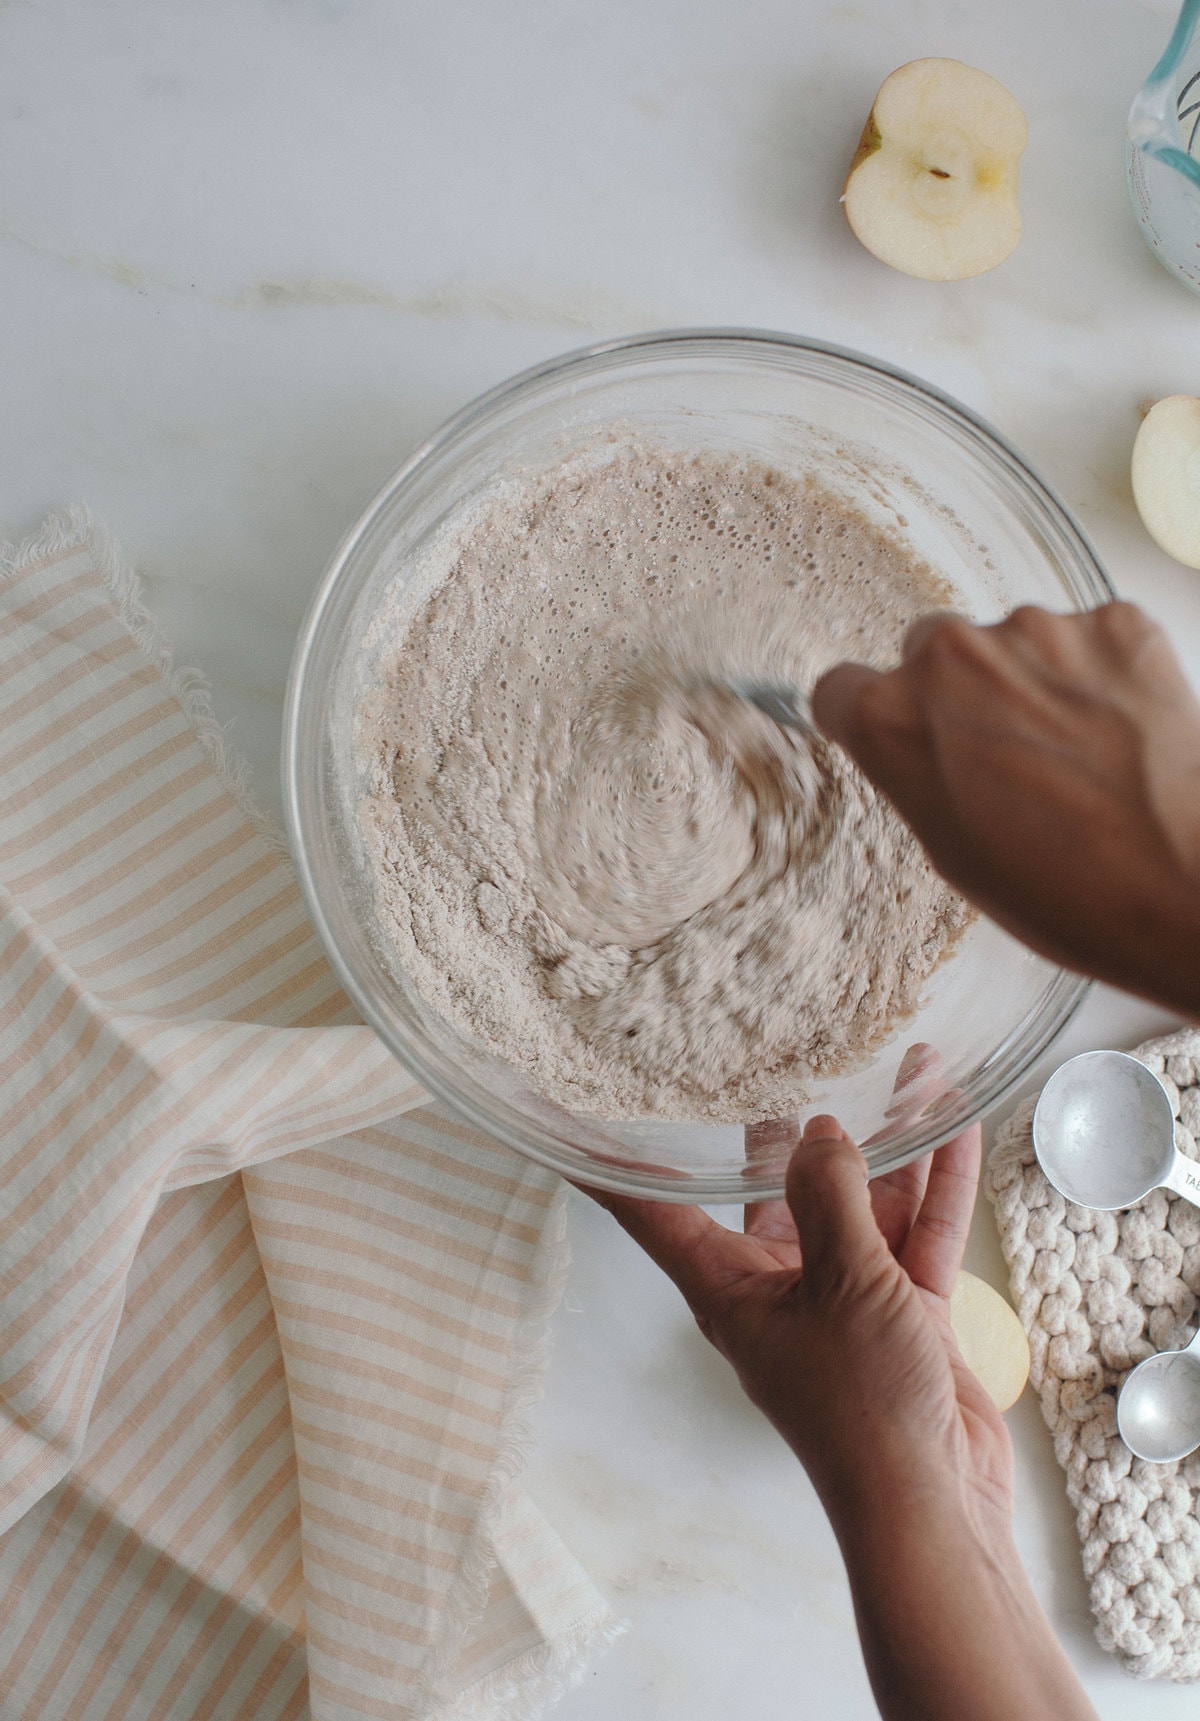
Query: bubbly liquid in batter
point(622, 880)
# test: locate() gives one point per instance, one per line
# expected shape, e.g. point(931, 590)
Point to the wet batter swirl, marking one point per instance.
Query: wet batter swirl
point(621, 879)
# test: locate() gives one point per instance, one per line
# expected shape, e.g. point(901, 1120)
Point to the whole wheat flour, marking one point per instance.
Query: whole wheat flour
point(628, 884)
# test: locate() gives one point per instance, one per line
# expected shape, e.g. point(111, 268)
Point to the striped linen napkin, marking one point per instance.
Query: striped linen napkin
point(268, 1319)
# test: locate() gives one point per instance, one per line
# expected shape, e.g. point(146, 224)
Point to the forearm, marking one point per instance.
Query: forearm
point(1149, 953)
point(950, 1626)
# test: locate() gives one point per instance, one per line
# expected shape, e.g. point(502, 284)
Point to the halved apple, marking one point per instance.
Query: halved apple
point(991, 1339)
point(1166, 476)
point(932, 189)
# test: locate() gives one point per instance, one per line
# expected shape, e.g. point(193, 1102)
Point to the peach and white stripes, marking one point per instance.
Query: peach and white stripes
point(267, 1319)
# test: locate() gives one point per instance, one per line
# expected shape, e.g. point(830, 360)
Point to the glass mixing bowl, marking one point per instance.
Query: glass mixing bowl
point(913, 458)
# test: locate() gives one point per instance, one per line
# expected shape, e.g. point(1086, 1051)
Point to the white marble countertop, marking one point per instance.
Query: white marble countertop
point(252, 252)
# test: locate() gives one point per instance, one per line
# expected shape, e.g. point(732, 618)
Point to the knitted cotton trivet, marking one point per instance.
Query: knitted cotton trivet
point(1097, 1292)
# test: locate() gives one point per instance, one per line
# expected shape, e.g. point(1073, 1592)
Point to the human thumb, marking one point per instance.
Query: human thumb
point(831, 1204)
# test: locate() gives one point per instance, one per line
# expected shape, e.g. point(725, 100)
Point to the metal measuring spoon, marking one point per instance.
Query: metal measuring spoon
point(1158, 1411)
point(1104, 1133)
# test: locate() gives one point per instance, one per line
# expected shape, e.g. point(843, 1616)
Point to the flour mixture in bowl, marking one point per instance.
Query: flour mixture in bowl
point(620, 879)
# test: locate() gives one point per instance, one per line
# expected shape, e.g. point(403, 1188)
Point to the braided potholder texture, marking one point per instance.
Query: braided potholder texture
point(1096, 1293)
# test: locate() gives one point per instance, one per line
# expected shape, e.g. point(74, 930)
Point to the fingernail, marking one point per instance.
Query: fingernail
point(822, 1128)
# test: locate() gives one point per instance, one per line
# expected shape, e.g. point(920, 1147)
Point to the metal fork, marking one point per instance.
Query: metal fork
point(784, 705)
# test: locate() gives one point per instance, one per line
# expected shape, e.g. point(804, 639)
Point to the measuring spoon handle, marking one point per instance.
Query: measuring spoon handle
point(1184, 1178)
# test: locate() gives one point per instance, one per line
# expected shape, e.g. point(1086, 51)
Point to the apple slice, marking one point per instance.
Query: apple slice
point(1166, 476)
point(991, 1339)
point(932, 189)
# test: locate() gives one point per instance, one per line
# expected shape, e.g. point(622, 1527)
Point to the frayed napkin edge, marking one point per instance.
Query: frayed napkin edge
point(75, 528)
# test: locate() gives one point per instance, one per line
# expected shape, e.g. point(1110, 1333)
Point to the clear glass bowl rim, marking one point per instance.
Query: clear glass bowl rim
point(1010, 1060)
